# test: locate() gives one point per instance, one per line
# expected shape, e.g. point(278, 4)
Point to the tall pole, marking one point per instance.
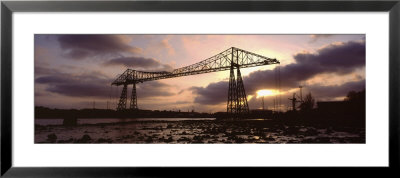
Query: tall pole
point(294, 102)
point(279, 87)
point(301, 94)
point(263, 102)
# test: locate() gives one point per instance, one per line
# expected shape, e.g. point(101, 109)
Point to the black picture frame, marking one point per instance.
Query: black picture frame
point(8, 7)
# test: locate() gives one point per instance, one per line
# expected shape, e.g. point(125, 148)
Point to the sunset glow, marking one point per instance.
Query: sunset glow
point(261, 93)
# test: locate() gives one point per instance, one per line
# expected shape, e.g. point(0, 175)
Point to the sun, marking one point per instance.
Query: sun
point(261, 93)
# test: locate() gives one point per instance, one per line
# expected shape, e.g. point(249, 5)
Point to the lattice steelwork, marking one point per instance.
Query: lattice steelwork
point(227, 60)
point(237, 100)
point(232, 96)
point(242, 107)
point(123, 98)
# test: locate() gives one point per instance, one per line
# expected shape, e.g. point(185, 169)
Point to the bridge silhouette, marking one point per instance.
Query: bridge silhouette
point(230, 59)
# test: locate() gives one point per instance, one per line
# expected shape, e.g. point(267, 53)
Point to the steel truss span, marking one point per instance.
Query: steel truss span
point(230, 59)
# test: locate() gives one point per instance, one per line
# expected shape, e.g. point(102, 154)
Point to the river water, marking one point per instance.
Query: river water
point(188, 130)
point(47, 122)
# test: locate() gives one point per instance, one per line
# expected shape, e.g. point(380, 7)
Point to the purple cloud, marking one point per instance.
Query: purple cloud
point(83, 46)
point(139, 63)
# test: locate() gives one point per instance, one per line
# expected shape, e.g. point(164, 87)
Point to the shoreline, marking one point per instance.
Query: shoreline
point(198, 131)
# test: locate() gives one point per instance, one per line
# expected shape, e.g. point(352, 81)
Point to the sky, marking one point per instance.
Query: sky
point(76, 71)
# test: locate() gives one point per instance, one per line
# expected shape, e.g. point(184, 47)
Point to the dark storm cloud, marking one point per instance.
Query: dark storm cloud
point(138, 63)
point(54, 79)
point(102, 90)
point(339, 59)
point(80, 90)
point(332, 91)
point(82, 46)
point(43, 70)
point(95, 84)
point(39, 94)
point(214, 93)
point(85, 85)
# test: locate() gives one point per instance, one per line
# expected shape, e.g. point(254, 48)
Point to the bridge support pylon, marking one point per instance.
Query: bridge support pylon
point(232, 94)
point(242, 105)
point(237, 105)
point(122, 100)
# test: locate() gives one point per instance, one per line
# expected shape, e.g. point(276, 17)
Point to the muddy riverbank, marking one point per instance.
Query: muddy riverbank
point(197, 131)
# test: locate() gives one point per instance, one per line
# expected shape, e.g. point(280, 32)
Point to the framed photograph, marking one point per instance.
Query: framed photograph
point(103, 88)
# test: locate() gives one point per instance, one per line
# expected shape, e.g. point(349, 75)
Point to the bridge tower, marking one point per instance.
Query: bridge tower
point(242, 106)
point(123, 98)
point(232, 94)
point(237, 99)
point(129, 78)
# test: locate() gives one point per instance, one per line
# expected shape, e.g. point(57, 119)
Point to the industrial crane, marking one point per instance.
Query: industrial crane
point(294, 99)
point(227, 60)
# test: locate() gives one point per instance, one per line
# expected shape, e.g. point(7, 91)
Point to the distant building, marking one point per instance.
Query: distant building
point(260, 111)
point(332, 106)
